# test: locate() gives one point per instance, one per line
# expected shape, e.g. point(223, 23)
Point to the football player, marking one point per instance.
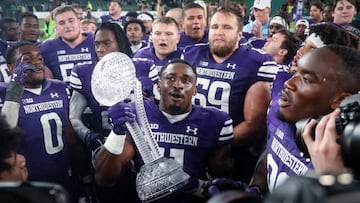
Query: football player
point(182, 131)
point(70, 48)
point(226, 71)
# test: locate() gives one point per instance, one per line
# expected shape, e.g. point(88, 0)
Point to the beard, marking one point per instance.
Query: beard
point(282, 117)
point(223, 50)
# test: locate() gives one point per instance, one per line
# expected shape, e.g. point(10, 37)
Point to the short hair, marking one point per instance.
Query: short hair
point(121, 38)
point(191, 6)
point(163, 68)
point(116, 1)
point(318, 5)
point(62, 9)
point(330, 34)
point(27, 15)
point(291, 44)
point(231, 10)
point(167, 21)
point(76, 6)
point(11, 52)
point(136, 21)
point(350, 63)
point(353, 2)
point(6, 21)
point(9, 141)
point(131, 14)
point(88, 21)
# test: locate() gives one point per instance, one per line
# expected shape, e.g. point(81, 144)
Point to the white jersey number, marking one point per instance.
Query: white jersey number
point(66, 71)
point(221, 101)
point(177, 154)
point(274, 179)
point(45, 120)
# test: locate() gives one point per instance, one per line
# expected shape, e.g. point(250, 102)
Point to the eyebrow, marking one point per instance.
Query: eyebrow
point(309, 72)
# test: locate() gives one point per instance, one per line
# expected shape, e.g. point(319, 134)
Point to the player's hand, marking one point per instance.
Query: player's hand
point(257, 29)
point(21, 70)
point(221, 184)
point(119, 114)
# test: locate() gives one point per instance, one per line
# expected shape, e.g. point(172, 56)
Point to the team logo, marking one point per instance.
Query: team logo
point(61, 52)
point(154, 126)
point(191, 131)
point(27, 100)
point(85, 49)
point(203, 63)
point(231, 65)
point(279, 133)
point(54, 95)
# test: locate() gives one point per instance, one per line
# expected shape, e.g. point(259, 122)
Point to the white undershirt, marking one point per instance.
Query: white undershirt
point(175, 118)
point(34, 90)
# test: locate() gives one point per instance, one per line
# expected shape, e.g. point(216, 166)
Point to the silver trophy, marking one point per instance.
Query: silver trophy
point(113, 80)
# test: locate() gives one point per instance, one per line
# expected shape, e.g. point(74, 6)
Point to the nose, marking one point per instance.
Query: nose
point(178, 84)
point(100, 47)
point(290, 83)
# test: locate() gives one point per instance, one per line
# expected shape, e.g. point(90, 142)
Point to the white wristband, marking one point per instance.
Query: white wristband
point(115, 143)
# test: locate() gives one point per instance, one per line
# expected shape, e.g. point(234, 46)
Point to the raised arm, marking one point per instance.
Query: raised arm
point(253, 128)
point(15, 91)
point(118, 149)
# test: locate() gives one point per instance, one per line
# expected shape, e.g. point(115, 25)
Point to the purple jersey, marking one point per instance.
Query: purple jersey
point(224, 85)
point(60, 58)
point(108, 18)
point(4, 71)
point(149, 53)
point(80, 80)
point(44, 118)
point(185, 40)
point(283, 156)
point(191, 140)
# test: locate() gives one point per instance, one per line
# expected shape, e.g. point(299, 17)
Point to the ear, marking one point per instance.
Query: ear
point(11, 67)
point(158, 86)
point(338, 98)
point(283, 52)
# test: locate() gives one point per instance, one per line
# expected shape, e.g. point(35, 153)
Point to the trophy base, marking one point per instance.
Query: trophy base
point(160, 178)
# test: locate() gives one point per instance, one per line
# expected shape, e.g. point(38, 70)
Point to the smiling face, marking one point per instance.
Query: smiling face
point(31, 54)
point(313, 89)
point(344, 13)
point(177, 86)
point(68, 26)
point(29, 29)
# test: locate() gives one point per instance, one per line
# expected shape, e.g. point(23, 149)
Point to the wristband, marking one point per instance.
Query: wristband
point(14, 92)
point(115, 143)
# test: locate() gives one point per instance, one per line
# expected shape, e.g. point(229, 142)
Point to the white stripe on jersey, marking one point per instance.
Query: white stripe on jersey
point(75, 82)
point(153, 74)
point(269, 69)
point(226, 132)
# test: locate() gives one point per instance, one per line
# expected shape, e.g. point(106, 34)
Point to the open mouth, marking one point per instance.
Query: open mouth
point(284, 100)
point(176, 95)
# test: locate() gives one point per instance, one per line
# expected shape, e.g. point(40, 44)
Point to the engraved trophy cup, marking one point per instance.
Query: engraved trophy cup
point(113, 80)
